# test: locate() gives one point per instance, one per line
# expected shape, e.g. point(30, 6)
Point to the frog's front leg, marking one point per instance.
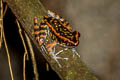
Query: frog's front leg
point(51, 51)
point(73, 51)
point(50, 47)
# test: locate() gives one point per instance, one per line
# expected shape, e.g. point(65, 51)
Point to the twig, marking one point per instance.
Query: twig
point(7, 51)
point(5, 10)
point(6, 47)
point(9, 60)
point(32, 57)
point(1, 23)
point(47, 67)
point(25, 48)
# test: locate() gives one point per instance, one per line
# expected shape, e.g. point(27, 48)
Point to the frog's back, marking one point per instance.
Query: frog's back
point(60, 33)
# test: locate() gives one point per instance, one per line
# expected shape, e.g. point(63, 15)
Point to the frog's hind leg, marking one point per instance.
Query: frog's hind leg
point(56, 16)
point(37, 32)
point(61, 19)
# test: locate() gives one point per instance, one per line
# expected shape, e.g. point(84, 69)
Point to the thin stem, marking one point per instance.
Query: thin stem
point(47, 67)
point(9, 60)
point(5, 10)
point(32, 57)
point(1, 24)
point(6, 47)
point(25, 48)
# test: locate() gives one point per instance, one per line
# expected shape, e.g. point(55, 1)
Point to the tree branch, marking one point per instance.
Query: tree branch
point(73, 68)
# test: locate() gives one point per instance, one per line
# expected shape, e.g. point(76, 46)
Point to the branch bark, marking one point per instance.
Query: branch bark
point(74, 68)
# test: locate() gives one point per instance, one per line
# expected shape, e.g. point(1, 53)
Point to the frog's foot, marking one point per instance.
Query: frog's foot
point(55, 57)
point(59, 53)
point(75, 52)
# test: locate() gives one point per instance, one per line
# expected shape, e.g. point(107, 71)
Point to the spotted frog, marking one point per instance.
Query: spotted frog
point(59, 31)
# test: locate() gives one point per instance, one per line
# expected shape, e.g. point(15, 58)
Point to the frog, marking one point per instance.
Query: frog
point(60, 32)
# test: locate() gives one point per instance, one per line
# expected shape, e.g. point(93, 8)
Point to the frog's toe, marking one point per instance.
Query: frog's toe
point(75, 52)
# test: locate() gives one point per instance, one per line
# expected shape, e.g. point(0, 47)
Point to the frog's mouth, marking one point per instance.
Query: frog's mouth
point(76, 38)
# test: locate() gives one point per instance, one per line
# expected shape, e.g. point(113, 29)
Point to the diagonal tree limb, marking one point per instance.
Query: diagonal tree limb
point(73, 68)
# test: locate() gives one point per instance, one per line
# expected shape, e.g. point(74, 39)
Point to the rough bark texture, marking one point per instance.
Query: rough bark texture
point(73, 68)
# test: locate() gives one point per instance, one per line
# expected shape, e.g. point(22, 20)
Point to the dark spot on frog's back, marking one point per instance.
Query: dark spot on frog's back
point(48, 18)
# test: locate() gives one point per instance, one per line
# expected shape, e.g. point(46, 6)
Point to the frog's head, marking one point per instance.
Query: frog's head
point(76, 37)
